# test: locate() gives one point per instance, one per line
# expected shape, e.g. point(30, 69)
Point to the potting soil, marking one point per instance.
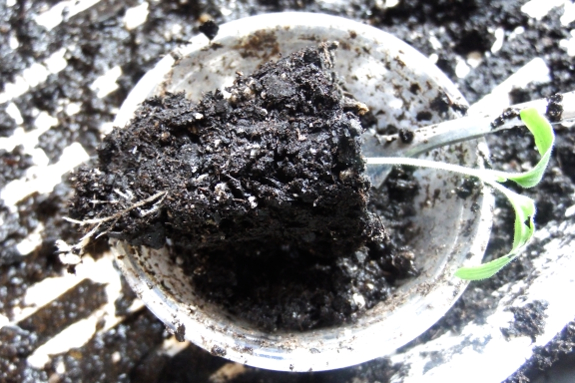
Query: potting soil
point(265, 196)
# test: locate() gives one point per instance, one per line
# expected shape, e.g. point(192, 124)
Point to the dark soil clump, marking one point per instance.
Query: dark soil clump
point(263, 195)
point(529, 320)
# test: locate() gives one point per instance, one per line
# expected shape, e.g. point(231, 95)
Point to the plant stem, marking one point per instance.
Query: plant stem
point(451, 132)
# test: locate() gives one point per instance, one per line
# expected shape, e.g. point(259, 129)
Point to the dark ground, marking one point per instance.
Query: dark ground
point(96, 41)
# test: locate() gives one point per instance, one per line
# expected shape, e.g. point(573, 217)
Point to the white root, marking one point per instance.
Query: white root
point(71, 254)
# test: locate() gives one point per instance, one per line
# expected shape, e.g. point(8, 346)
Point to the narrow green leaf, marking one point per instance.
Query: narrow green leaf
point(483, 271)
point(544, 138)
point(540, 128)
point(524, 212)
point(524, 207)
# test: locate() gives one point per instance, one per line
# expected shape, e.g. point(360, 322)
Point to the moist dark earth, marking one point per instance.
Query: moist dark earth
point(96, 40)
point(266, 198)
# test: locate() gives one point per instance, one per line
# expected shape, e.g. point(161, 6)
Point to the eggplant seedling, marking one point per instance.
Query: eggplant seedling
point(523, 206)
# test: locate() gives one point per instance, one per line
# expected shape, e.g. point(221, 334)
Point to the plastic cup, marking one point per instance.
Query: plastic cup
point(403, 88)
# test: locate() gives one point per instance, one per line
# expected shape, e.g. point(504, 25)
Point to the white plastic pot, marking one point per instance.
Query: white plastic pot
point(398, 84)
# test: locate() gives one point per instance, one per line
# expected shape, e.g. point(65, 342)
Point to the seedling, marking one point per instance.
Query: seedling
point(524, 207)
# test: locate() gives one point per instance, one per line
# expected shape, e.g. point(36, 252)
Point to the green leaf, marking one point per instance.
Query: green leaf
point(524, 212)
point(524, 207)
point(483, 271)
point(544, 139)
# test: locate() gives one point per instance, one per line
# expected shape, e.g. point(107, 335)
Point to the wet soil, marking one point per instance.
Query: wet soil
point(265, 198)
point(96, 40)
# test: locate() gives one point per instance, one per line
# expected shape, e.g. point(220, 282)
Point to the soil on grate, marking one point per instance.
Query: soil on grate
point(264, 193)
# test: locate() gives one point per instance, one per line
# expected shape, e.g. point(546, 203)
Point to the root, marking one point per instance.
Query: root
point(71, 254)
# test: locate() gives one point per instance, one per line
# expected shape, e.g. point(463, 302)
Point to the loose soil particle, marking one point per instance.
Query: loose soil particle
point(210, 29)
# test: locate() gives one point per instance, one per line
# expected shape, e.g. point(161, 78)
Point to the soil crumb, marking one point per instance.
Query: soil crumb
point(529, 320)
point(263, 192)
